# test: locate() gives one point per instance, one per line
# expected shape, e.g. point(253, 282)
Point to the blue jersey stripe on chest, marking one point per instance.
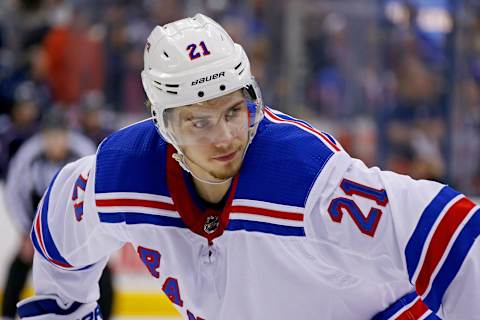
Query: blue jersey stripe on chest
point(258, 226)
point(141, 218)
point(281, 164)
point(132, 159)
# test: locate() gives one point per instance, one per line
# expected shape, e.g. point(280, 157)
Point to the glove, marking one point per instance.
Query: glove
point(50, 307)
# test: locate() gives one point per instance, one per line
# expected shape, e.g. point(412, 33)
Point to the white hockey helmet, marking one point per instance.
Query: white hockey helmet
point(193, 60)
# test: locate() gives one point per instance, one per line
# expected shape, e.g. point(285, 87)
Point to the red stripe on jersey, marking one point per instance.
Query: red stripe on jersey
point(440, 240)
point(61, 264)
point(415, 311)
point(267, 212)
point(135, 203)
point(274, 116)
point(39, 233)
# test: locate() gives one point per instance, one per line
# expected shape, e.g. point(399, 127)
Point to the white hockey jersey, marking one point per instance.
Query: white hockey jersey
point(307, 232)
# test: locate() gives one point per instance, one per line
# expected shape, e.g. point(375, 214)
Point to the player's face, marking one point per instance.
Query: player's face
point(213, 135)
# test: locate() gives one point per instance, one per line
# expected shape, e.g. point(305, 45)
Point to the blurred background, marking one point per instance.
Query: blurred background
point(397, 82)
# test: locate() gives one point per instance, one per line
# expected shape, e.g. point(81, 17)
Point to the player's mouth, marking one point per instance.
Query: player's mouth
point(226, 157)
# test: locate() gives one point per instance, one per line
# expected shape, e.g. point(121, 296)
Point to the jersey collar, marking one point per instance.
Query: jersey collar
point(206, 222)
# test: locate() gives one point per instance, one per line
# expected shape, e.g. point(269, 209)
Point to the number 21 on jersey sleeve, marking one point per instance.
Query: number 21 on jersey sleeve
point(367, 224)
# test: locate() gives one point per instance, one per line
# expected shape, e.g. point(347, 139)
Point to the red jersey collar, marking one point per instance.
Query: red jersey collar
point(198, 221)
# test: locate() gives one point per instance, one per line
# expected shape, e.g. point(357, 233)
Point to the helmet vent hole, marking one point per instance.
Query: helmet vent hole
point(222, 87)
point(241, 71)
point(238, 65)
point(201, 94)
point(154, 113)
point(166, 55)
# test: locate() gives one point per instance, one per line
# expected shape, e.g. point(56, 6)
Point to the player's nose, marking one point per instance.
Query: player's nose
point(222, 134)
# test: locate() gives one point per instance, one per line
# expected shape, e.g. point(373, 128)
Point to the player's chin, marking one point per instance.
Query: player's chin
point(226, 170)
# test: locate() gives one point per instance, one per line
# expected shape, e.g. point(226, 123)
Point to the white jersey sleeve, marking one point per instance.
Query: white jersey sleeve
point(390, 228)
point(72, 246)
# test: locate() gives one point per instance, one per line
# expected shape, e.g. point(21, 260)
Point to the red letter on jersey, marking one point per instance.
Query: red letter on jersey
point(172, 290)
point(151, 259)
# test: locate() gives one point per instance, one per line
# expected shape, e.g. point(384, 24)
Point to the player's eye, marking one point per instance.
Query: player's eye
point(200, 123)
point(233, 112)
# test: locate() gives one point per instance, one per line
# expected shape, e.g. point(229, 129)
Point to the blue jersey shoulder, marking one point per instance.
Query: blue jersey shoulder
point(284, 160)
point(132, 160)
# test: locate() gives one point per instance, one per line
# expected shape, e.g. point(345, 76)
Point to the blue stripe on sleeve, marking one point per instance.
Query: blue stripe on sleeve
point(44, 307)
point(393, 308)
point(453, 262)
point(47, 237)
point(34, 238)
point(413, 250)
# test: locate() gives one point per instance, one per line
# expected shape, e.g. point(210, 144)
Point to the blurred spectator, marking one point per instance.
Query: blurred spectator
point(29, 69)
point(162, 12)
point(126, 31)
point(20, 126)
point(115, 46)
point(23, 25)
point(327, 57)
point(466, 137)
point(133, 90)
point(73, 55)
point(415, 123)
point(92, 117)
point(29, 175)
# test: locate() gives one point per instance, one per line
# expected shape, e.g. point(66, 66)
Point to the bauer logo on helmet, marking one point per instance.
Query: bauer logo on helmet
point(208, 78)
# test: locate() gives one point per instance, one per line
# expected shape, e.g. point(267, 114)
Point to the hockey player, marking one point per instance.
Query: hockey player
point(239, 211)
